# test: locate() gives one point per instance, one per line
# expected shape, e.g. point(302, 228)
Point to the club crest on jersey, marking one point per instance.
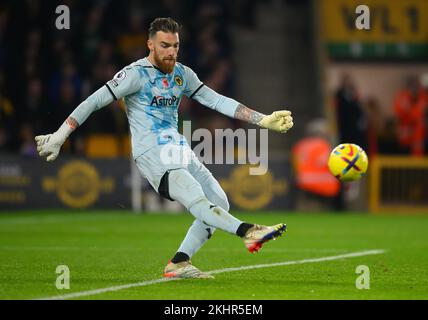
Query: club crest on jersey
point(178, 80)
point(160, 101)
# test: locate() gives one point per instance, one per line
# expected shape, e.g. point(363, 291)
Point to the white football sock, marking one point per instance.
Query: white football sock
point(196, 236)
point(199, 232)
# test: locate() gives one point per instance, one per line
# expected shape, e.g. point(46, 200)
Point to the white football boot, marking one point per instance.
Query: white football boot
point(184, 269)
point(257, 235)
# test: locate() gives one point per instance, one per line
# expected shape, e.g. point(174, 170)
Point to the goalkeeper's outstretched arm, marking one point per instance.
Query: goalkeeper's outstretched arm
point(279, 121)
point(125, 82)
point(49, 145)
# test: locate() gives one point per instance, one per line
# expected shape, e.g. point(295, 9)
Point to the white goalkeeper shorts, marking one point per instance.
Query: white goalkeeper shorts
point(154, 163)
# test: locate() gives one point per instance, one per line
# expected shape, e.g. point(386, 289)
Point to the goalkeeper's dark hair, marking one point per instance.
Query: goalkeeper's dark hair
point(165, 25)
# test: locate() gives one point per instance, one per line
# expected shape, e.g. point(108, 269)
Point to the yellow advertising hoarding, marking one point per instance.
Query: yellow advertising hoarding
point(391, 21)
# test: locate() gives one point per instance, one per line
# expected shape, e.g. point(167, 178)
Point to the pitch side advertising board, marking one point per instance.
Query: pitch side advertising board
point(396, 29)
point(81, 183)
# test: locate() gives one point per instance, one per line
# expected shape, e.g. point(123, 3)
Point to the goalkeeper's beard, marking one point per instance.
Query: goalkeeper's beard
point(166, 65)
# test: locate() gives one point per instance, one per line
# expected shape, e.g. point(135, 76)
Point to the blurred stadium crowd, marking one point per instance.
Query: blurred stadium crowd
point(45, 73)
point(361, 121)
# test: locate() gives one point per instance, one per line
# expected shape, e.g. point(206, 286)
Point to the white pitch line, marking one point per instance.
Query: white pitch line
point(287, 263)
point(257, 266)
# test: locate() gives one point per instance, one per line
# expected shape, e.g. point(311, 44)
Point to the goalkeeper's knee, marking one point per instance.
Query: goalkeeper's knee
point(217, 196)
point(184, 188)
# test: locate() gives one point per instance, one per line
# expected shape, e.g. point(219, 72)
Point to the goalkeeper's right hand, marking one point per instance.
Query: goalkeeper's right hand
point(49, 145)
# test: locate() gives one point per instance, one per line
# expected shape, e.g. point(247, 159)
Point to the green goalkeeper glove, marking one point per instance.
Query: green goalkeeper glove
point(49, 145)
point(279, 121)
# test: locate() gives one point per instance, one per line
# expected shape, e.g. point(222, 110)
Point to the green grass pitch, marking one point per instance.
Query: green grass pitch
point(106, 249)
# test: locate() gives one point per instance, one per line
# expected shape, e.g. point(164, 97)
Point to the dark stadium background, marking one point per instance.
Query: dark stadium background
point(269, 55)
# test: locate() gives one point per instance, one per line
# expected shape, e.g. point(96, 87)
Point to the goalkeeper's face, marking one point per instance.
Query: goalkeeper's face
point(164, 48)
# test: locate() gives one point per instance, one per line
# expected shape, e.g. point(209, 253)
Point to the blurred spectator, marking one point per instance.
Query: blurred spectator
point(4, 16)
point(7, 114)
point(375, 124)
point(248, 19)
point(66, 77)
point(58, 69)
point(91, 34)
point(132, 43)
point(382, 138)
point(351, 119)
point(27, 146)
point(410, 106)
point(388, 143)
point(315, 184)
point(34, 105)
point(424, 83)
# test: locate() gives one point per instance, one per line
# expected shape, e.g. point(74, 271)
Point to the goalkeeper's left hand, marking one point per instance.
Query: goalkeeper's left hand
point(279, 121)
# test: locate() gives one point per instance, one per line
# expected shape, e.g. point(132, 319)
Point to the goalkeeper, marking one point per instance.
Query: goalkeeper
point(152, 88)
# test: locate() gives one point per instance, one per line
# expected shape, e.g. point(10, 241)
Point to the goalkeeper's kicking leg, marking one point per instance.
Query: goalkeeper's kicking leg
point(183, 187)
point(199, 232)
